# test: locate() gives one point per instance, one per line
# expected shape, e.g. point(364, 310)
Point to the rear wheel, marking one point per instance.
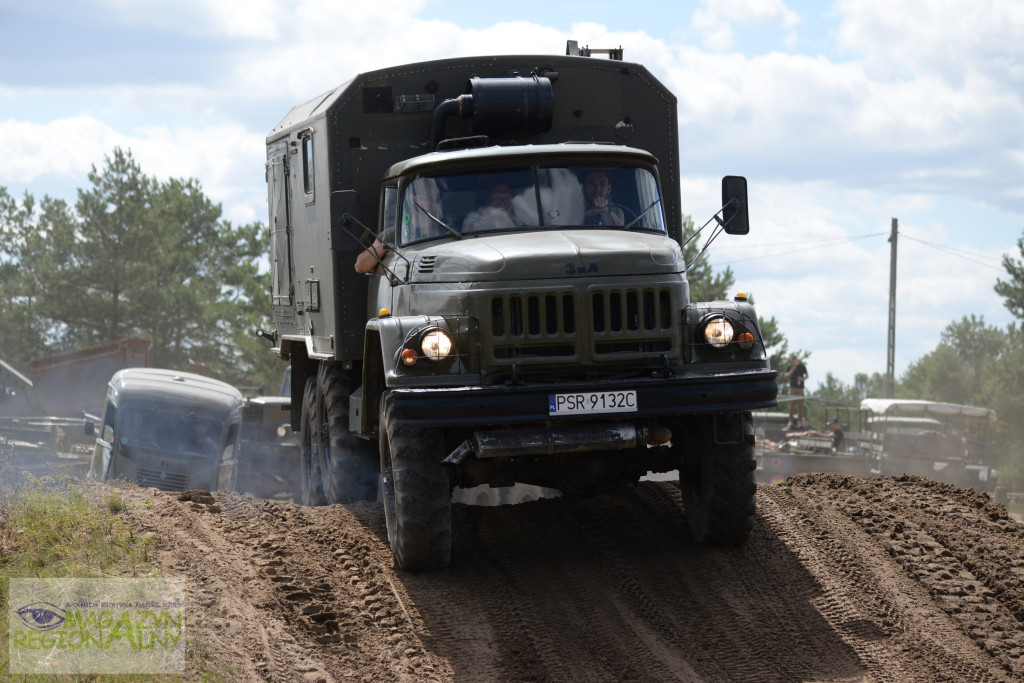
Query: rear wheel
point(416, 494)
point(312, 490)
point(717, 480)
point(348, 464)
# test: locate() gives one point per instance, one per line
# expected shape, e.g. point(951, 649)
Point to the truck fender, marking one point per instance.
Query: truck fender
point(383, 341)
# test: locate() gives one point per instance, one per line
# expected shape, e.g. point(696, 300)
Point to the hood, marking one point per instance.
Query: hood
point(545, 255)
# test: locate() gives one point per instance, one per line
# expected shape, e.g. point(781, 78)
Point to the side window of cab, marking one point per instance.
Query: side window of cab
point(109, 418)
point(390, 217)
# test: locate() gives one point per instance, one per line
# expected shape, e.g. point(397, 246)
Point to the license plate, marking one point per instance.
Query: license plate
point(591, 402)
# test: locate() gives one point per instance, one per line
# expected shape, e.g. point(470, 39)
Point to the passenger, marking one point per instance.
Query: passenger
point(134, 430)
point(599, 209)
point(497, 214)
point(420, 217)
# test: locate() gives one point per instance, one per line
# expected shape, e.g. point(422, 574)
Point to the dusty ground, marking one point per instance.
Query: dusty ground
point(843, 580)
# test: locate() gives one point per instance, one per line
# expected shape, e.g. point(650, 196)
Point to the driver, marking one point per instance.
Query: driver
point(599, 210)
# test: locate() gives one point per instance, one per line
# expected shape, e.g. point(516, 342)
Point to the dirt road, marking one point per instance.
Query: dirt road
point(843, 580)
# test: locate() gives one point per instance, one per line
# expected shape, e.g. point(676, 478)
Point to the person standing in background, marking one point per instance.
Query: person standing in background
point(797, 375)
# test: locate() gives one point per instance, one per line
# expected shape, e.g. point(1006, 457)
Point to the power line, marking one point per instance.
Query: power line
point(957, 252)
point(821, 244)
point(824, 244)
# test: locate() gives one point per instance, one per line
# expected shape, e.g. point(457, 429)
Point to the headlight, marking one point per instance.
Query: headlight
point(436, 345)
point(718, 332)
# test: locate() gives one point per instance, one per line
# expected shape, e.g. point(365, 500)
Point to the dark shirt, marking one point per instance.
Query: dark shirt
point(796, 379)
point(837, 439)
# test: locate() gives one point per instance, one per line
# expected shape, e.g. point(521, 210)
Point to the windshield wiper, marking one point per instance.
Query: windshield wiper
point(644, 213)
point(455, 233)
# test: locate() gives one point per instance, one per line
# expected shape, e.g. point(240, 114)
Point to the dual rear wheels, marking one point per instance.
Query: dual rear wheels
point(337, 467)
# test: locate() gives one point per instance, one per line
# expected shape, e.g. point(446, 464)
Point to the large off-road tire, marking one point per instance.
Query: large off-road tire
point(312, 489)
point(348, 464)
point(716, 480)
point(416, 493)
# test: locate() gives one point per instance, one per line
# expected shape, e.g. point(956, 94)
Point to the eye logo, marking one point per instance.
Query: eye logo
point(42, 616)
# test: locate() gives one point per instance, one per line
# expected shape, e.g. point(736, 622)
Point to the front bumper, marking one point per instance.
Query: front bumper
point(527, 403)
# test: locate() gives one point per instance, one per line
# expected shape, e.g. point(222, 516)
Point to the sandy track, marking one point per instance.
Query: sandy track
point(842, 580)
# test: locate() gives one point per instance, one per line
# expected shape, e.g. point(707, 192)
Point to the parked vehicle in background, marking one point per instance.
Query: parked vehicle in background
point(172, 430)
point(885, 437)
point(942, 441)
point(785, 451)
point(269, 463)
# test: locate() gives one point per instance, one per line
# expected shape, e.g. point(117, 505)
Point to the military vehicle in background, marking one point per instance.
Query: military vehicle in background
point(941, 441)
point(785, 451)
point(173, 430)
point(268, 463)
point(885, 437)
point(552, 344)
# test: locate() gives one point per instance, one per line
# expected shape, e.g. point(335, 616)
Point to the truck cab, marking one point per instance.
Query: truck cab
point(172, 430)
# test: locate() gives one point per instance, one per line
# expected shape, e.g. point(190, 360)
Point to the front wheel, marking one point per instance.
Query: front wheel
point(716, 480)
point(416, 493)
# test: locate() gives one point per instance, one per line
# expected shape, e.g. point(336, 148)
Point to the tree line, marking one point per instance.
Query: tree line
point(135, 257)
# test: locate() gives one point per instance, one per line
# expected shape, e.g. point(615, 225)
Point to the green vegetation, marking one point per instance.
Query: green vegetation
point(59, 528)
point(139, 258)
point(55, 528)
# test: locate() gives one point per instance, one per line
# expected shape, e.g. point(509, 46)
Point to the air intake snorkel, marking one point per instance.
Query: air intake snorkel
point(499, 105)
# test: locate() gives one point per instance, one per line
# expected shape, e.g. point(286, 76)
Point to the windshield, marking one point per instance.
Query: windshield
point(141, 428)
point(534, 198)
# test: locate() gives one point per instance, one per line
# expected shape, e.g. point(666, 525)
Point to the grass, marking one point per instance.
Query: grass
point(57, 527)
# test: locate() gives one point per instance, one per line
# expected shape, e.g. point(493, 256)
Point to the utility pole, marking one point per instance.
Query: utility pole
point(890, 366)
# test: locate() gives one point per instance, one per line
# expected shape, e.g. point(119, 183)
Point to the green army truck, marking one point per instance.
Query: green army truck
point(527, 316)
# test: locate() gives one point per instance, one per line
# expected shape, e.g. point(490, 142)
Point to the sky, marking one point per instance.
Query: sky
point(842, 116)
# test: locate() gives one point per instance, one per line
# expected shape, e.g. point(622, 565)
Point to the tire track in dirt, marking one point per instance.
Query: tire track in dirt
point(848, 532)
point(842, 579)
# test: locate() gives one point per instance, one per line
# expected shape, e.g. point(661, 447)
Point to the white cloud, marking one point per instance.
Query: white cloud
point(714, 18)
point(951, 39)
point(65, 147)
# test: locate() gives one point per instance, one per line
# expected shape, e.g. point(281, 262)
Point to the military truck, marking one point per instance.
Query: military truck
point(935, 439)
point(553, 343)
point(172, 430)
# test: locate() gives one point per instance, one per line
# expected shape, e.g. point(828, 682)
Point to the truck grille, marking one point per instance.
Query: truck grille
point(614, 321)
point(167, 481)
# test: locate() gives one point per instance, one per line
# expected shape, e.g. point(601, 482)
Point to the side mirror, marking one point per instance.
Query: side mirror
point(89, 428)
point(345, 227)
point(734, 205)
